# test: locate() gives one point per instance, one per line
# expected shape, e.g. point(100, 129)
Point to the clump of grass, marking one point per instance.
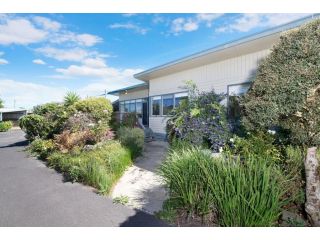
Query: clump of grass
point(99, 168)
point(244, 193)
point(123, 200)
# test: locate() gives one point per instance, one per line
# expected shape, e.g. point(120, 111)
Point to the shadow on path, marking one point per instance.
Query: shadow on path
point(142, 219)
point(23, 143)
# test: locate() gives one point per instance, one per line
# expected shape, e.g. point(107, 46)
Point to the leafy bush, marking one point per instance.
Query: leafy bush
point(244, 193)
point(35, 126)
point(99, 168)
point(129, 120)
point(132, 138)
point(55, 114)
point(293, 170)
point(201, 120)
point(99, 108)
point(5, 126)
point(286, 90)
point(1, 103)
point(42, 148)
point(258, 144)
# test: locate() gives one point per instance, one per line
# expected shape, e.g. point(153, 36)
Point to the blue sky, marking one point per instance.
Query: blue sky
point(42, 56)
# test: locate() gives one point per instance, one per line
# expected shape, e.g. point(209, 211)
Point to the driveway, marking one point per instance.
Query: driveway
point(33, 195)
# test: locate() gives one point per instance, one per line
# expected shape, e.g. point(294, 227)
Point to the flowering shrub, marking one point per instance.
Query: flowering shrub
point(201, 120)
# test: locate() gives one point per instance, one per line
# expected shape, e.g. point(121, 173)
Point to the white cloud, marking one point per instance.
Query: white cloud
point(249, 21)
point(20, 31)
point(24, 31)
point(74, 54)
point(190, 24)
point(28, 94)
point(3, 61)
point(47, 23)
point(38, 61)
point(130, 26)
point(87, 40)
point(208, 17)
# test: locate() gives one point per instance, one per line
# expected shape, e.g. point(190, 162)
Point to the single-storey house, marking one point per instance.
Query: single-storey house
point(227, 68)
point(10, 114)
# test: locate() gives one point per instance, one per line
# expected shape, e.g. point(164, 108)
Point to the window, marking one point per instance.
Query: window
point(139, 106)
point(156, 102)
point(178, 97)
point(121, 107)
point(132, 106)
point(167, 104)
point(126, 106)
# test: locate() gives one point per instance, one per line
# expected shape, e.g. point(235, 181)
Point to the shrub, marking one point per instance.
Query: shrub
point(35, 126)
point(201, 120)
point(5, 126)
point(99, 168)
point(132, 138)
point(129, 120)
point(67, 140)
point(42, 148)
point(294, 172)
point(259, 144)
point(244, 193)
point(286, 89)
point(55, 114)
point(99, 108)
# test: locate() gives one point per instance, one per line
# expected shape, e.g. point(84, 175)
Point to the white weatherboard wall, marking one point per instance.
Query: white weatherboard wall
point(215, 76)
point(134, 95)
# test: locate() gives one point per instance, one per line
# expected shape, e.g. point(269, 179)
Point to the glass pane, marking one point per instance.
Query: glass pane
point(122, 107)
point(139, 107)
point(167, 104)
point(126, 106)
point(132, 106)
point(156, 106)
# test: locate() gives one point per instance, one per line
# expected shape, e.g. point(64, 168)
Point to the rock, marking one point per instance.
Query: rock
point(88, 147)
point(291, 219)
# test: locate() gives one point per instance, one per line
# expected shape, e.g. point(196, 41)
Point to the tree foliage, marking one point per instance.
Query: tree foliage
point(1, 103)
point(286, 91)
point(200, 120)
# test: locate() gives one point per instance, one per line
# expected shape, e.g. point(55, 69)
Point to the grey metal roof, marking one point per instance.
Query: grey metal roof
point(255, 36)
point(128, 88)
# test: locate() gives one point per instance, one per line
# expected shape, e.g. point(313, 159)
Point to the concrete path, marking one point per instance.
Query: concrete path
point(140, 184)
point(33, 195)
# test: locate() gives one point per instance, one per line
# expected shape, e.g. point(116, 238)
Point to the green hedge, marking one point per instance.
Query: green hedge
point(132, 138)
point(5, 126)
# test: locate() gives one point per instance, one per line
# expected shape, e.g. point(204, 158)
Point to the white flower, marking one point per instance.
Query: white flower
point(220, 149)
point(272, 132)
point(231, 140)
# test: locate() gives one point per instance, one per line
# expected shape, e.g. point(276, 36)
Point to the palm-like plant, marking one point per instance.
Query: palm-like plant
point(71, 98)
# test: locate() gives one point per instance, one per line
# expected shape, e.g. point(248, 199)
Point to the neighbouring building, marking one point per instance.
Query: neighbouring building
point(227, 68)
point(9, 114)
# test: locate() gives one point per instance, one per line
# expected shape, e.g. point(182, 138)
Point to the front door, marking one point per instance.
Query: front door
point(145, 115)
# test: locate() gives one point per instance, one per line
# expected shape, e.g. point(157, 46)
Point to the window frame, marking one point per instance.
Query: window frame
point(184, 94)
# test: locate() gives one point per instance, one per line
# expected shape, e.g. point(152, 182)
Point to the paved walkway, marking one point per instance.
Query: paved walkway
point(140, 184)
point(33, 195)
